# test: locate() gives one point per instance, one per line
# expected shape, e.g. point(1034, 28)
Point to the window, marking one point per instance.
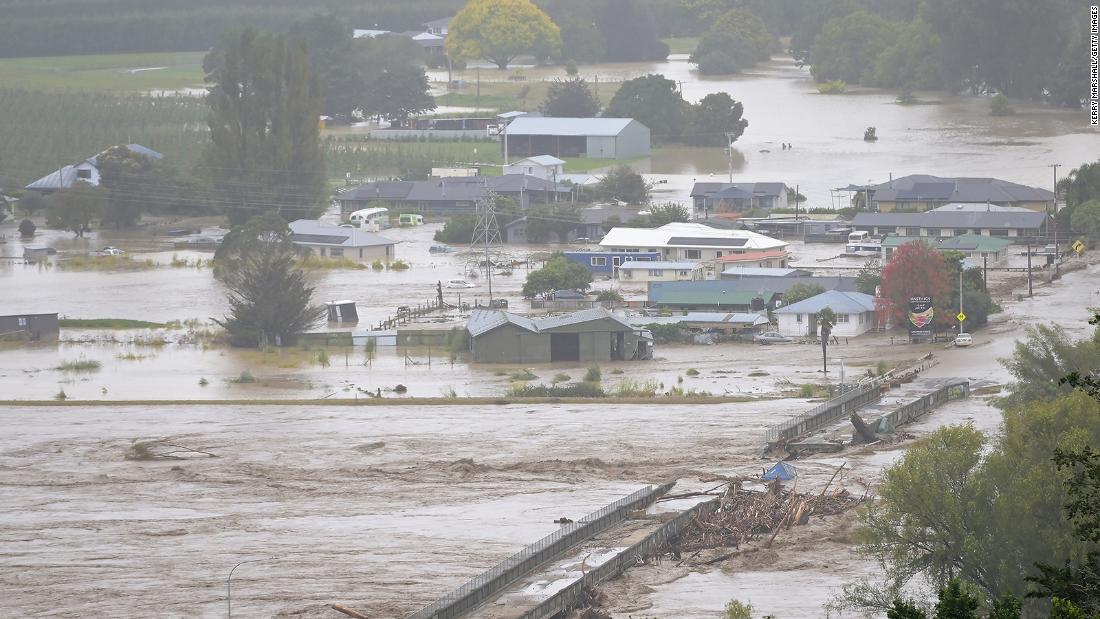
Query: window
point(911, 231)
point(322, 251)
point(598, 261)
point(22, 321)
point(998, 233)
point(861, 319)
point(84, 174)
point(798, 318)
point(842, 318)
point(718, 254)
point(691, 254)
point(933, 232)
point(961, 231)
point(685, 273)
point(656, 272)
point(886, 229)
point(336, 252)
point(627, 274)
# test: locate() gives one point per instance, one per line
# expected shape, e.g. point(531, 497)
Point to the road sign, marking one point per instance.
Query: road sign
point(1078, 246)
point(961, 316)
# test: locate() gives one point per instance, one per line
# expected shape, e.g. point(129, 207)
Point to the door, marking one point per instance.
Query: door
point(617, 260)
point(618, 346)
point(565, 347)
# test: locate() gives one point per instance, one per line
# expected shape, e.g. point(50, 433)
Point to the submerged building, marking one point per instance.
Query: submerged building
point(591, 335)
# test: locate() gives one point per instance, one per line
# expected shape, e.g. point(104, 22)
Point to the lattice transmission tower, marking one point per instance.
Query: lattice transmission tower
point(487, 235)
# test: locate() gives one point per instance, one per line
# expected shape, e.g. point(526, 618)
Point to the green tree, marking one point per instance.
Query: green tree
point(133, 183)
point(270, 301)
point(1086, 219)
point(826, 320)
point(736, 609)
point(458, 229)
point(629, 32)
point(1081, 185)
point(654, 101)
point(76, 208)
point(999, 106)
point(801, 292)
point(1007, 606)
point(669, 212)
point(332, 59)
point(500, 30)
point(397, 90)
point(264, 148)
point(869, 277)
point(581, 40)
point(1039, 362)
point(27, 228)
point(913, 61)
point(956, 602)
point(570, 99)
point(715, 120)
point(905, 610)
point(552, 221)
point(557, 274)
point(848, 47)
point(623, 184)
point(738, 39)
point(32, 202)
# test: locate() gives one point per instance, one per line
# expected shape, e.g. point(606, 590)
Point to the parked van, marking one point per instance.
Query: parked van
point(411, 219)
point(373, 219)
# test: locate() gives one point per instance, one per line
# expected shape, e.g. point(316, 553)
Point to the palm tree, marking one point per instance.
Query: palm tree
point(826, 320)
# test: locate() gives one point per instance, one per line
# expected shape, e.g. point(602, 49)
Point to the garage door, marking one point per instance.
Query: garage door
point(565, 347)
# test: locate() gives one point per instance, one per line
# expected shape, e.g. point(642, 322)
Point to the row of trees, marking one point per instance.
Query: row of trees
point(736, 40)
point(1027, 49)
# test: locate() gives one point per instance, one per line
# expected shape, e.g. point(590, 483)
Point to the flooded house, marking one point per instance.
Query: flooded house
point(855, 314)
point(29, 326)
point(329, 241)
point(699, 242)
point(592, 335)
point(924, 192)
point(714, 197)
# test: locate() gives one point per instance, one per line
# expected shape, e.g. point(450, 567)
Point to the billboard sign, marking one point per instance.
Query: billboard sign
point(920, 316)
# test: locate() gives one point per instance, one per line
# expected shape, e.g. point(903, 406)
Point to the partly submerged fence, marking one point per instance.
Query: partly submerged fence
point(491, 582)
point(573, 595)
point(826, 412)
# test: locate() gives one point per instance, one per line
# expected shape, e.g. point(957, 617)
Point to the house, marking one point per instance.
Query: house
point(855, 314)
point(714, 197)
point(987, 248)
point(541, 166)
point(958, 220)
point(368, 33)
point(699, 242)
point(728, 323)
point(738, 272)
point(329, 241)
point(29, 326)
point(923, 192)
point(86, 171)
point(778, 286)
point(592, 335)
point(597, 220)
point(707, 295)
point(660, 271)
point(595, 138)
point(437, 27)
point(811, 228)
point(451, 195)
point(607, 262)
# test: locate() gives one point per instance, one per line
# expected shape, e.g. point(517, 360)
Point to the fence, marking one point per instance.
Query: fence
point(827, 412)
point(491, 582)
point(573, 595)
point(923, 405)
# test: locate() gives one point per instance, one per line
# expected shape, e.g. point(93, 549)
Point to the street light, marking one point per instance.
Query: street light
point(229, 585)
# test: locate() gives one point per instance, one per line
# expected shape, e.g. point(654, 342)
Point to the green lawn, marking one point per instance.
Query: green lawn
point(681, 45)
point(104, 73)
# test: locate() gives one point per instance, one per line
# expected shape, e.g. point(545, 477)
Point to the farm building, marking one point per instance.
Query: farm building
point(448, 196)
point(591, 335)
point(31, 326)
point(595, 138)
point(855, 313)
point(330, 241)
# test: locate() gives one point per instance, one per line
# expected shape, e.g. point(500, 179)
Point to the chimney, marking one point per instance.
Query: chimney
point(891, 180)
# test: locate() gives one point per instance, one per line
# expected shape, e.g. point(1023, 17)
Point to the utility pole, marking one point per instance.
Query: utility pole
point(1057, 273)
point(731, 136)
point(487, 233)
point(961, 330)
point(477, 100)
point(1029, 293)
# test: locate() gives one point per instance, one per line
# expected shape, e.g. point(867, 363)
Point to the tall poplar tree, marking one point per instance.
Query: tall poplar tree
point(265, 108)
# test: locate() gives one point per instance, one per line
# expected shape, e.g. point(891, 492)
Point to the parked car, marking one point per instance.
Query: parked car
point(771, 337)
point(459, 283)
point(963, 339)
point(111, 251)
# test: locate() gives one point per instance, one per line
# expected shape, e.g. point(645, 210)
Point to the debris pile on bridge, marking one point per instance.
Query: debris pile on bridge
point(743, 515)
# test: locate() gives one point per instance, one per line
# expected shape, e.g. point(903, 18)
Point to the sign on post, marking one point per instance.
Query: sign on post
point(1078, 247)
point(960, 317)
point(920, 316)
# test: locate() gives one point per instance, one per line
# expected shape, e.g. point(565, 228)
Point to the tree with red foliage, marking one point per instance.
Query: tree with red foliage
point(916, 270)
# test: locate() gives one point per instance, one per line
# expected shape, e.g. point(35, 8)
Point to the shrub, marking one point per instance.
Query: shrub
point(572, 390)
point(322, 359)
point(80, 365)
point(399, 265)
point(692, 372)
point(203, 382)
point(668, 334)
point(806, 391)
point(61, 396)
point(834, 87)
point(560, 378)
point(998, 106)
point(27, 228)
point(522, 375)
point(618, 371)
point(630, 388)
point(377, 265)
point(593, 375)
point(245, 377)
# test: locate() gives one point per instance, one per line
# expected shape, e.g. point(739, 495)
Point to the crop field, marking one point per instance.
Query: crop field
point(104, 73)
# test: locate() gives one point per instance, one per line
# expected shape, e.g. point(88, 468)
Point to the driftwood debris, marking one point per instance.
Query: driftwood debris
point(864, 431)
point(348, 611)
point(162, 449)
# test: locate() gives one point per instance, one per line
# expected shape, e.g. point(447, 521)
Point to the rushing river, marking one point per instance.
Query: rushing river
point(944, 135)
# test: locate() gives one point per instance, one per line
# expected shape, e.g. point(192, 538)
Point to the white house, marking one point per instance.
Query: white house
point(329, 241)
point(660, 271)
point(545, 167)
point(699, 243)
point(86, 171)
point(855, 314)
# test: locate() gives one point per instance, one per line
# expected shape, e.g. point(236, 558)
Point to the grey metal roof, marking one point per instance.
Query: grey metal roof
point(953, 219)
point(737, 190)
point(313, 232)
point(442, 22)
point(921, 187)
point(737, 318)
point(514, 183)
point(783, 284)
point(589, 315)
point(606, 127)
point(840, 302)
point(763, 271)
point(482, 321)
point(731, 193)
point(381, 190)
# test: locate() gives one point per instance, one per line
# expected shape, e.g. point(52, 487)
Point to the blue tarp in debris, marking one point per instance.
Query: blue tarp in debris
point(781, 471)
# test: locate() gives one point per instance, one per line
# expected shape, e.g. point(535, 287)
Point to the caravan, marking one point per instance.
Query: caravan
point(411, 219)
point(370, 219)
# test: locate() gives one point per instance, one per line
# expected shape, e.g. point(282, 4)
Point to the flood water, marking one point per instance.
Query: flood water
point(946, 135)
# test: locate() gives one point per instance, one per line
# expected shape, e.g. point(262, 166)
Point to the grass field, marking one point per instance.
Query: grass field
point(104, 73)
point(681, 45)
point(505, 96)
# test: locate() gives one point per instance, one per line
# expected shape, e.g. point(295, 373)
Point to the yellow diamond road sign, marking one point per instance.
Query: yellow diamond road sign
point(961, 316)
point(1078, 246)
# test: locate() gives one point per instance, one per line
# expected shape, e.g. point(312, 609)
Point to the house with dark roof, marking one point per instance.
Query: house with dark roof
point(988, 248)
point(328, 241)
point(451, 195)
point(923, 192)
point(957, 220)
point(85, 171)
point(592, 335)
point(708, 295)
point(595, 138)
point(738, 197)
point(855, 314)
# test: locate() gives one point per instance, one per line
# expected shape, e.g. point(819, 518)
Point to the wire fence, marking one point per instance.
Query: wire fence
point(482, 587)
